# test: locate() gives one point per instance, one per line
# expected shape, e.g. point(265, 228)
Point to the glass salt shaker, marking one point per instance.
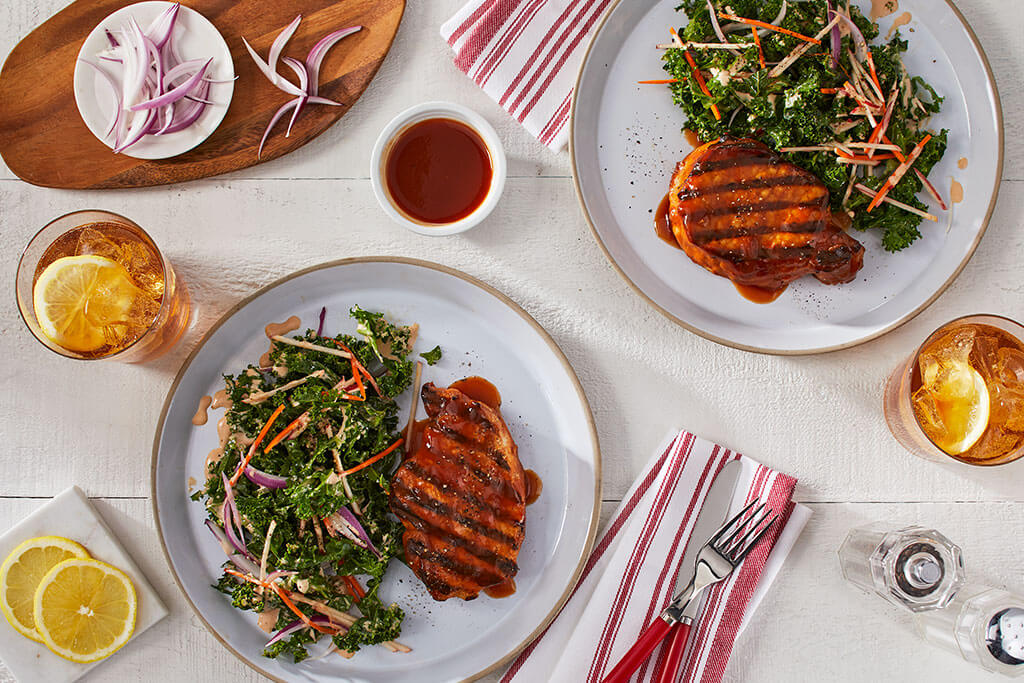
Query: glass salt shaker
point(983, 625)
point(916, 568)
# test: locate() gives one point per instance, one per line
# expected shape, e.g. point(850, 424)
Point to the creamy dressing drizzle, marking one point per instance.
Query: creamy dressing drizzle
point(956, 192)
point(962, 164)
point(221, 400)
point(290, 325)
point(901, 20)
point(883, 8)
point(200, 418)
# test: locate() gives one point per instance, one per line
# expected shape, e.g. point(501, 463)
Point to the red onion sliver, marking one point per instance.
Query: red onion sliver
point(837, 36)
point(279, 81)
point(273, 121)
point(291, 628)
point(162, 27)
point(174, 94)
point(261, 478)
point(316, 55)
point(320, 327)
point(350, 520)
point(282, 39)
point(113, 86)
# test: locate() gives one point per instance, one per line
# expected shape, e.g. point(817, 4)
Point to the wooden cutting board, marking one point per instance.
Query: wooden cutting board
point(45, 142)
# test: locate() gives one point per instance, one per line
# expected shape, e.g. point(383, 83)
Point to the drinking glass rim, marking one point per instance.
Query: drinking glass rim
point(21, 260)
point(913, 361)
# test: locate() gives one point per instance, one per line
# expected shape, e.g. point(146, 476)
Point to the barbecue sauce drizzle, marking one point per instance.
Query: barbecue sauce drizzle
point(479, 389)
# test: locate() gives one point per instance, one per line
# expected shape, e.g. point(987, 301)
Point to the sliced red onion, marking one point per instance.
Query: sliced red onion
point(188, 114)
point(174, 94)
point(261, 478)
point(316, 99)
point(291, 628)
point(113, 87)
point(319, 51)
point(837, 36)
point(300, 71)
point(162, 27)
point(282, 39)
point(351, 523)
point(278, 81)
point(240, 561)
point(136, 131)
point(233, 520)
point(135, 62)
point(860, 45)
point(273, 121)
point(111, 39)
point(320, 327)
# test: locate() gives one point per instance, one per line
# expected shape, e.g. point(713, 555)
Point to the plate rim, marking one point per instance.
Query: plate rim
point(902, 320)
point(595, 514)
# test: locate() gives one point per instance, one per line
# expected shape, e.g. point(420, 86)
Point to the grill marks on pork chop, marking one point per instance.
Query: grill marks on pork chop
point(741, 211)
point(461, 498)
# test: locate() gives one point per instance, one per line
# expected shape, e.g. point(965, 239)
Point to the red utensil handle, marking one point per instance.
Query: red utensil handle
point(641, 650)
point(674, 655)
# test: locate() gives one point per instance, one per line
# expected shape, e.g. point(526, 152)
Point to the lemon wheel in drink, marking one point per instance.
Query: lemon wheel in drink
point(77, 299)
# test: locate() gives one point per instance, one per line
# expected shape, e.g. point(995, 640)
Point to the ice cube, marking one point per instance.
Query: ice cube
point(983, 356)
point(95, 243)
point(951, 348)
point(995, 443)
point(927, 412)
point(1009, 366)
point(1006, 406)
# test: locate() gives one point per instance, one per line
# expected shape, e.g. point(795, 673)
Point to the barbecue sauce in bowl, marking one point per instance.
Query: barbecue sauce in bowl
point(438, 171)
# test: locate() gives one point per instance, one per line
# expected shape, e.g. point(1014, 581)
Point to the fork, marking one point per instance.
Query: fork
point(722, 553)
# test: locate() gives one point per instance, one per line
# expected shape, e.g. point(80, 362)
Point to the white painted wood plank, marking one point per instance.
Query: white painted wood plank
point(810, 624)
point(818, 418)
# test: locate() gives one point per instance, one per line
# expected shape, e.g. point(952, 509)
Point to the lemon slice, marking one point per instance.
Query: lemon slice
point(75, 297)
point(961, 400)
point(85, 609)
point(21, 573)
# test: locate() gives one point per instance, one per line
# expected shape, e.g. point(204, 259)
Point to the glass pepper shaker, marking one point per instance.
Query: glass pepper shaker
point(914, 567)
point(983, 625)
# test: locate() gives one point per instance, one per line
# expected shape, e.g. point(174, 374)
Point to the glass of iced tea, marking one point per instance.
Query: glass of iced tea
point(92, 285)
point(961, 394)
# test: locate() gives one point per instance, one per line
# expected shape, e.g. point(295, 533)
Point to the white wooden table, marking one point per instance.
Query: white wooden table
point(818, 418)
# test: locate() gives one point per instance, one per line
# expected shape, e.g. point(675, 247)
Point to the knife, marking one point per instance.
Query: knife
point(712, 514)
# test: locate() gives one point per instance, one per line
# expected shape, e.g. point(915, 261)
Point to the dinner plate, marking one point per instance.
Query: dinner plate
point(195, 38)
point(626, 140)
point(480, 331)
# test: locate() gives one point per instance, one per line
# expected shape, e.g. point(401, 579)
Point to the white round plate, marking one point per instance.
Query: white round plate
point(627, 138)
point(480, 332)
point(195, 38)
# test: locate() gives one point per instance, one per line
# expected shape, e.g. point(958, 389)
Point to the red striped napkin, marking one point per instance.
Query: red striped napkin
point(629, 577)
point(525, 54)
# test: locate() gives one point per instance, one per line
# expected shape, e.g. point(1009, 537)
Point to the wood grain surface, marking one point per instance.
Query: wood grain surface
point(45, 142)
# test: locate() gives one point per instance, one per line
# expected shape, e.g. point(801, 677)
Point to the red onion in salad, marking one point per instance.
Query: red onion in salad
point(320, 327)
point(308, 74)
point(348, 526)
point(298, 625)
point(837, 36)
point(270, 481)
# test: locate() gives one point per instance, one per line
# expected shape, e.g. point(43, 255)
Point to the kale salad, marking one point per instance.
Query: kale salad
point(299, 499)
point(806, 79)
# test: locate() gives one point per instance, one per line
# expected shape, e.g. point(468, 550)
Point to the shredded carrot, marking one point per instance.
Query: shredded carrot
point(829, 91)
point(898, 174)
point(700, 81)
point(757, 41)
point(299, 613)
point(284, 432)
point(354, 588)
point(370, 461)
point(874, 74)
point(770, 27)
point(855, 157)
point(255, 444)
point(898, 153)
point(359, 367)
point(659, 81)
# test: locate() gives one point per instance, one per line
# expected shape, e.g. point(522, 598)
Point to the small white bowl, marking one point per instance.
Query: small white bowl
point(438, 110)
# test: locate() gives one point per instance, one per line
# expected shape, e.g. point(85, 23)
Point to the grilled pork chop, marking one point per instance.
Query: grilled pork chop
point(461, 497)
point(741, 211)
